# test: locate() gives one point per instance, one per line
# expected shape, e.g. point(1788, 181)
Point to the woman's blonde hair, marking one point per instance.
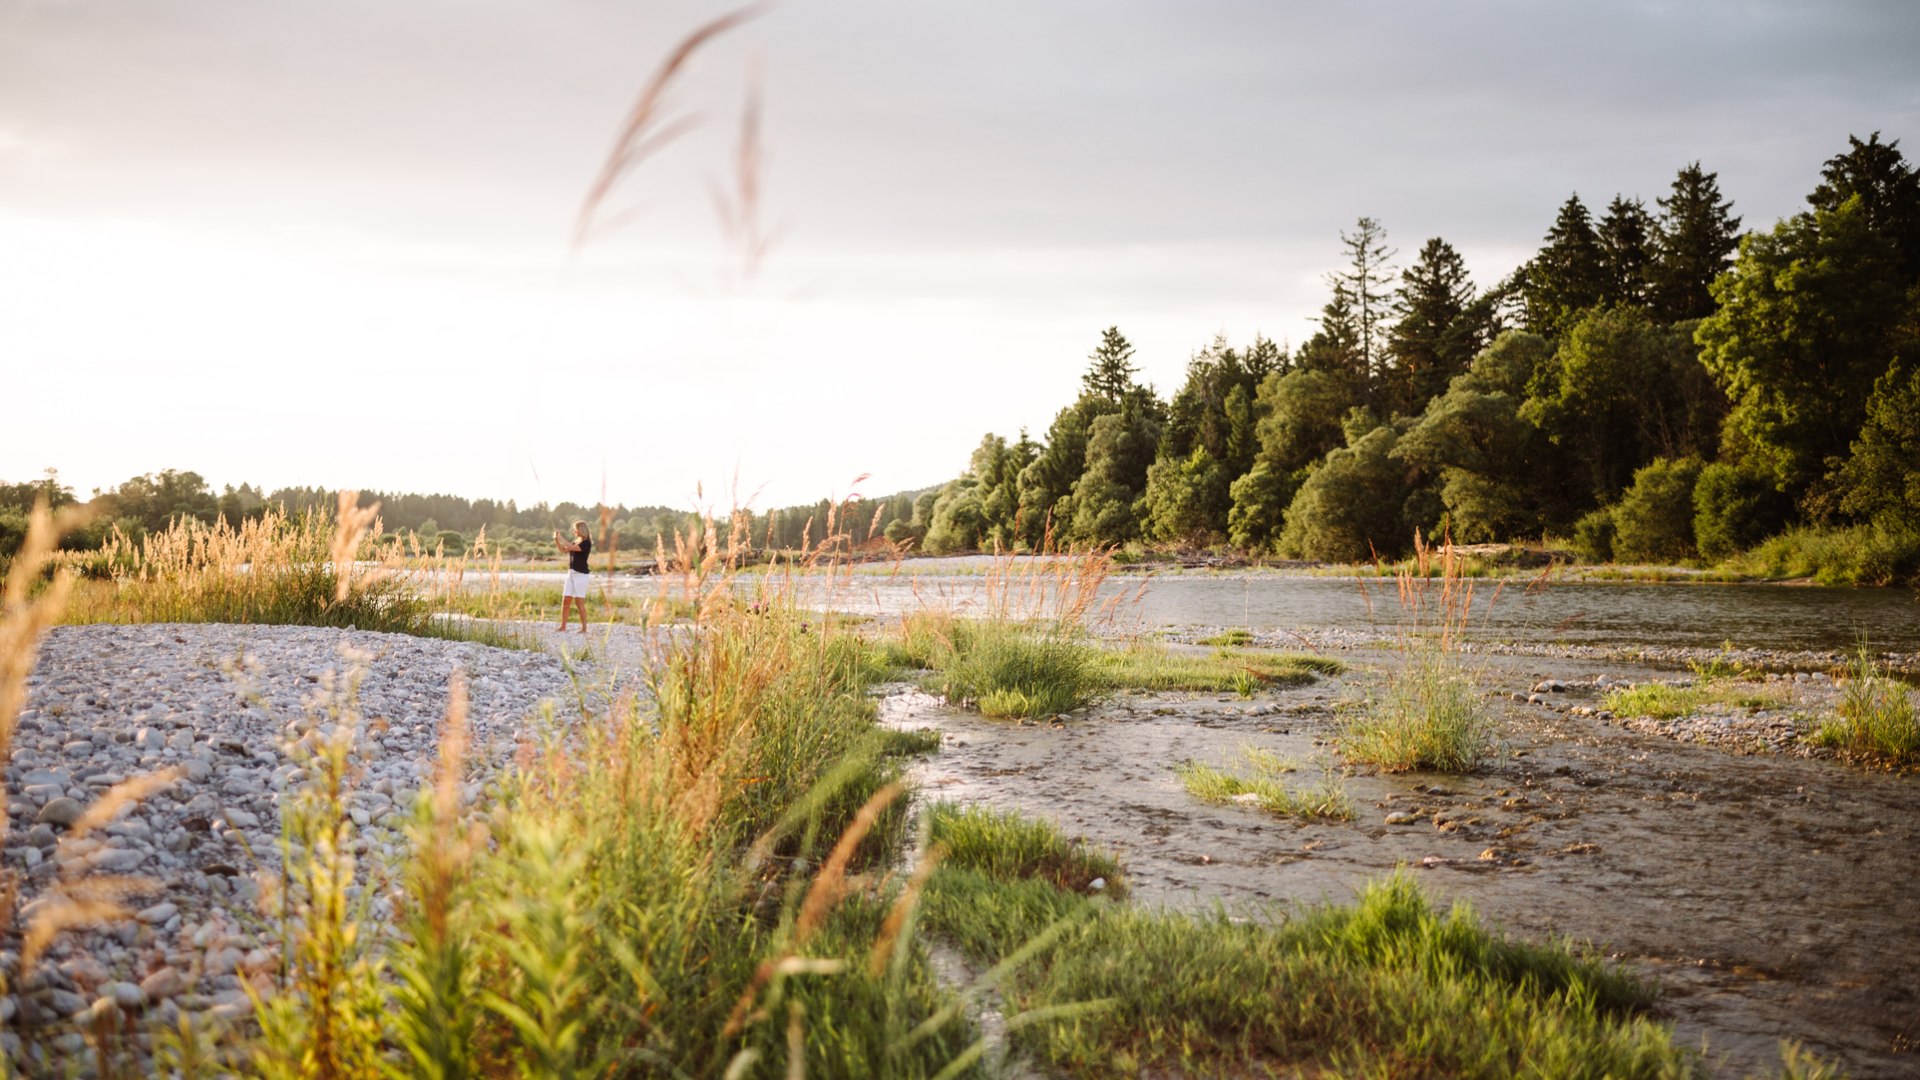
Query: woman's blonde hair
point(581, 524)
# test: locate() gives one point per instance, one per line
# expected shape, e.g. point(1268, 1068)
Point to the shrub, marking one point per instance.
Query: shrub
point(451, 542)
point(1734, 508)
point(1593, 536)
point(1349, 507)
point(1654, 518)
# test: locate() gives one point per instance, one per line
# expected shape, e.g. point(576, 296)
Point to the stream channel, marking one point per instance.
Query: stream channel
point(1770, 895)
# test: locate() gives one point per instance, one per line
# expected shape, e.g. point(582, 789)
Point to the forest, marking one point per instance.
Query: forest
point(1653, 385)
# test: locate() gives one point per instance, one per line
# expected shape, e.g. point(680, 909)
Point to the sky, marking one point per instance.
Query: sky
point(331, 243)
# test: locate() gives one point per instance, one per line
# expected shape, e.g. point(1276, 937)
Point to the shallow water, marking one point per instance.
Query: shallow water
point(1770, 897)
point(1698, 615)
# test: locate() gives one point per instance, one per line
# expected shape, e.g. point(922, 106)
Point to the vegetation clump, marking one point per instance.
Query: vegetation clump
point(1258, 783)
point(1877, 720)
point(1385, 985)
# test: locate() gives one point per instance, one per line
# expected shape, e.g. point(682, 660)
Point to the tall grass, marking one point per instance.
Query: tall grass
point(1427, 714)
point(1876, 721)
point(1849, 555)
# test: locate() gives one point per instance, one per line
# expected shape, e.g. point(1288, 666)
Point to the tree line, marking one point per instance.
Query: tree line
point(1653, 384)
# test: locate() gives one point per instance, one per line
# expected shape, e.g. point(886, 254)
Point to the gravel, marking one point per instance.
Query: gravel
point(230, 707)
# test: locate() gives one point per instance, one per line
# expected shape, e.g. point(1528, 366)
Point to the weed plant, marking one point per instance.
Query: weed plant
point(1258, 783)
point(1876, 721)
point(1427, 714)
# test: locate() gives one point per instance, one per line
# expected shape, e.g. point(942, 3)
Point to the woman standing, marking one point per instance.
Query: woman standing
point(575, 590)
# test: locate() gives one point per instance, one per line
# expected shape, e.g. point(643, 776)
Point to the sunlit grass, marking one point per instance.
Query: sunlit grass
point(1257, 782)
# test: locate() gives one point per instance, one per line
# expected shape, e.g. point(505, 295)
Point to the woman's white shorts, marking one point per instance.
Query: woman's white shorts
point(576, 584)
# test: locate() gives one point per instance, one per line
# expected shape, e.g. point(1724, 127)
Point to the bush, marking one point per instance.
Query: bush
point(1348, 510)
point(1593, 536)
point(1653, 521)
point(1735, 508)
point(451, 542)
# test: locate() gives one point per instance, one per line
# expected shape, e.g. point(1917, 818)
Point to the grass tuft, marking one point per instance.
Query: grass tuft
point(1876, 721)
point(1010, 847)
point(1428, 716)
point(1259, 784)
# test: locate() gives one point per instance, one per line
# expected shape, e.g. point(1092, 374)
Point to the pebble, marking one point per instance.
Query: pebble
point(110, 703)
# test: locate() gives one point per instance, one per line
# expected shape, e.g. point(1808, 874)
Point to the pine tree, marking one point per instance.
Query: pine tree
point(1626, 238)
point(1366, 287)
point(1566, 277)
point(1695, 240)
point(1111, 371)
point(1427, 346)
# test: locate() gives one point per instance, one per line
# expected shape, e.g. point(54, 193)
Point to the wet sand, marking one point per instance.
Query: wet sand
point(1770, 897)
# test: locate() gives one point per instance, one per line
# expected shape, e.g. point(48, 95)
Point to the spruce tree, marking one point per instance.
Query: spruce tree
point(1888, 190)
point(1566, 277)
point(1626, 237)
point(1366, 287)
point(1110, 371)
point(1427, 346)
point(1696, 237)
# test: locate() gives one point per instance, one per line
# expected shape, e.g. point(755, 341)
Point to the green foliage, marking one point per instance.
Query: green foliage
point(1348, 508)
point(1300, 415)
point(1619, 392)
point(451, 542)
point(1850, 555)
point(1427, 716)
point(1258, 783)
point(1806, 325)
point(1734, 508)
point(1877, 720)
point(1187, 499)
point(1260, 500)
point(1653, 521)
point(1488, 460)
point(1594, 535)
point(1120, 450)
point(1880, 481)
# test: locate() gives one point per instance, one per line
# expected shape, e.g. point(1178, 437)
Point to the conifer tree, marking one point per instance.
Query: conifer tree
point(1566, 277)
point(1626, 238)
point(1696, 236)
point(1429, 344)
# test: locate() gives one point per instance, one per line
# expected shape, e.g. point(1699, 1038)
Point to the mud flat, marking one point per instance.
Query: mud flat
point(1770, 895)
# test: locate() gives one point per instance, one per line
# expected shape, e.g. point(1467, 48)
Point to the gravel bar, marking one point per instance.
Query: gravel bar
point(228, 706)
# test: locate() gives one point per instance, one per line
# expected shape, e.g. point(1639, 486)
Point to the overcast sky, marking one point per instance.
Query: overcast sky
point(328, 242)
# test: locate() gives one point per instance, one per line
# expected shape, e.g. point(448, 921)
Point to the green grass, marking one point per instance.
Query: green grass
point(1037, 669)
point(1386, 986)
point(1427, 715)
point(1235, 636)
point(1007, 846)
point(1876, 721)
point(1258, 784)
point(1716, 682)
point(1145, 665)
point(1851, 555)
